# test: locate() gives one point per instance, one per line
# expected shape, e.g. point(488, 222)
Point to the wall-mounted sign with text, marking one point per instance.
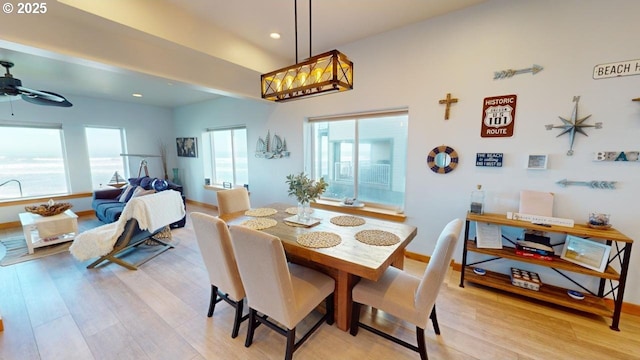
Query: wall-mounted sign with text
point(498, 116)
point(616, 69)
point(617, 156)
point(489, 159)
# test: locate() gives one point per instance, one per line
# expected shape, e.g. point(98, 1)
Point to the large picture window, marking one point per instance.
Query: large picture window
point(362, 156)
point(228, 156)
point(105, 146)
point(32, 161)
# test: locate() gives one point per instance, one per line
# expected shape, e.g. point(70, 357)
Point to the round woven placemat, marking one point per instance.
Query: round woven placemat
point(291, 210)
point(377, 237)
point(259, 224)
point(347, 220)
point(319, 239)
point(261, 212)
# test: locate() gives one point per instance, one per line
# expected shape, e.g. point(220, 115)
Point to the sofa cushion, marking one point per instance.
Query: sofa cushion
point(107, 210)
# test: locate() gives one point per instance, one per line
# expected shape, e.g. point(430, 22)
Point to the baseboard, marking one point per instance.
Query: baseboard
point(206, 205)
point(627, 308)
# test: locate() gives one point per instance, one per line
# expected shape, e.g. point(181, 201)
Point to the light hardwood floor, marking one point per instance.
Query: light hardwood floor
point(54, 308)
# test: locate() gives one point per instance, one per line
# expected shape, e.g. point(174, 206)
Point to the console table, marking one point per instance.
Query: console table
point(611, 281)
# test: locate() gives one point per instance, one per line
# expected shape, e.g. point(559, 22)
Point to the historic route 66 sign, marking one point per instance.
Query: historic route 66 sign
point(498, 116)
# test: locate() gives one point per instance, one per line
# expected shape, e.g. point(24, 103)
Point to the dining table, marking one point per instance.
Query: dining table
point(348, 261)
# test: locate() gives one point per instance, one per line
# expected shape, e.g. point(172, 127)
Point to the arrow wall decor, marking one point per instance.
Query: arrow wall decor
point(510, 72)
point(594, 184)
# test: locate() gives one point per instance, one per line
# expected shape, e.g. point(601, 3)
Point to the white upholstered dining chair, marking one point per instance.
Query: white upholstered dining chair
point(278, 290)
point(215, 246)
point(233, 200)
point(405, 296)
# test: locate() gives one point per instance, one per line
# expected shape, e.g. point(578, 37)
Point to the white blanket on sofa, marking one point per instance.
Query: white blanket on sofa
point(152, 212)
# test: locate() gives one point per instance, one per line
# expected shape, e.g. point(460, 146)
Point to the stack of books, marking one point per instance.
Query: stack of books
point(534, 250)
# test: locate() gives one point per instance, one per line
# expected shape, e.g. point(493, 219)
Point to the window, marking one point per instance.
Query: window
point(32, 161)
point(228, 156)
point(362, 156)
point(104, 146)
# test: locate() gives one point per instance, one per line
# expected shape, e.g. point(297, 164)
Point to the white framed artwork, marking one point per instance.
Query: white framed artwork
point(537, 162)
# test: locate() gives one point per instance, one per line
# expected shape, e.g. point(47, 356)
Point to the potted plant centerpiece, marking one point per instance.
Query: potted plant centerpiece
point(305, 190)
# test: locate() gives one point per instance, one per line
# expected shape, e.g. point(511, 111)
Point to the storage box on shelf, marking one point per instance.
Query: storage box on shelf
point(594, 301)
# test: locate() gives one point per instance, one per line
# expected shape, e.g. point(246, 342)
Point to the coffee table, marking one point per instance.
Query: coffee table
point(48, 230)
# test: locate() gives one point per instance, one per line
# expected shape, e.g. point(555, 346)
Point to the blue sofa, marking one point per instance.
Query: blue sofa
point(108, 207)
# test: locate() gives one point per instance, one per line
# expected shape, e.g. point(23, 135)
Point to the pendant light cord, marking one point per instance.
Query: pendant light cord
point(295, 15)
point(309, 29)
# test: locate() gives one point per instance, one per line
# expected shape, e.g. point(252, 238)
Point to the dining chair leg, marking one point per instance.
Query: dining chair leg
point(251, 328)
point(422, 348)
point(355, 318)
point(434, 320)
point(330, 309)
point(291, 344)
point(238, 318)
point(212, 302)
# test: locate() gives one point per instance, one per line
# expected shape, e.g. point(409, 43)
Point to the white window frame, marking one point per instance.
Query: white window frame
point(44, 126)
point(123, 150)
point(210, 159)
point(311, 155)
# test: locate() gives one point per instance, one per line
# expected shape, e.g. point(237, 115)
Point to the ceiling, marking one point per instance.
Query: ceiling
point(335, 23)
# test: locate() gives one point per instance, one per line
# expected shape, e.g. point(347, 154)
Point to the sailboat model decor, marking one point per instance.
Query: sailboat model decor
point(268, 148)
point(117, 181)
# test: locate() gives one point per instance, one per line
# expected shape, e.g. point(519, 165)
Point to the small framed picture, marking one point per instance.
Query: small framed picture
point(187, 146)
point(537, 162)
point(590, 254)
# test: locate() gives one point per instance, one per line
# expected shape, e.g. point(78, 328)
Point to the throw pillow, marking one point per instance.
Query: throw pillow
point(135, 181)
point(126, 193)
point(140, 191)
point(145, 182)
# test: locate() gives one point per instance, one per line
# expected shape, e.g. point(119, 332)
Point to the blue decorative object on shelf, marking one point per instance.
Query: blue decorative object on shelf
point(160, 185)
point(176, 176)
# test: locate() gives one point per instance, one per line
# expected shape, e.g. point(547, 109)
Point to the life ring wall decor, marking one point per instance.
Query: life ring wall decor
point(442, 159)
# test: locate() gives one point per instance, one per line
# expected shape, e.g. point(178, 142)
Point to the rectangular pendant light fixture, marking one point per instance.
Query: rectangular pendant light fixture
point(320, 74)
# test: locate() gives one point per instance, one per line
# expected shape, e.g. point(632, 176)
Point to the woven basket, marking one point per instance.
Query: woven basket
point(48, 210)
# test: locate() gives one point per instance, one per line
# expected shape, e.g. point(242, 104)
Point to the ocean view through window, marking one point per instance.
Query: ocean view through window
point(32, 161)
point(105, 146)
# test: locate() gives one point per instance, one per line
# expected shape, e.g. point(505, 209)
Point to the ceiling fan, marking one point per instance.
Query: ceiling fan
point(10, 86)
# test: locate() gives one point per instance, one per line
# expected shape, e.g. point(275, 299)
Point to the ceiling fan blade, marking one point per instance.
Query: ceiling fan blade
point(45, 98)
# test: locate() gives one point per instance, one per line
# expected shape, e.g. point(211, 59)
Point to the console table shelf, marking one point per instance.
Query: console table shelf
point(556, 263)
point(549, 293)
point(594, 301)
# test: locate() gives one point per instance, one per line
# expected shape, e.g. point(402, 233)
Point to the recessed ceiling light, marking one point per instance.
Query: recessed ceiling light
point(274, 35)
point(136, 95)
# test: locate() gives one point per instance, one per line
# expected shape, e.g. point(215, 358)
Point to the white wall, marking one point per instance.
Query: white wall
point(145, 127)
point(416, 66)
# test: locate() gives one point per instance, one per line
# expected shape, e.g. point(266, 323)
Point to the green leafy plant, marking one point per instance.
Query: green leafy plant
point(305, 189)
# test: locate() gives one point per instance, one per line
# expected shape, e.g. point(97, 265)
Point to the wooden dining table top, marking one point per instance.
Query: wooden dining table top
point(351, 255)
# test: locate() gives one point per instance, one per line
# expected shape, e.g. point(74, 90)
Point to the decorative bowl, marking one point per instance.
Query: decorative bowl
point(48, 209)
point(601, 227)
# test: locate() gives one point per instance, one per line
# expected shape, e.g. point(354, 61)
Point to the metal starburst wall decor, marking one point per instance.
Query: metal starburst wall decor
point(573, 125)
